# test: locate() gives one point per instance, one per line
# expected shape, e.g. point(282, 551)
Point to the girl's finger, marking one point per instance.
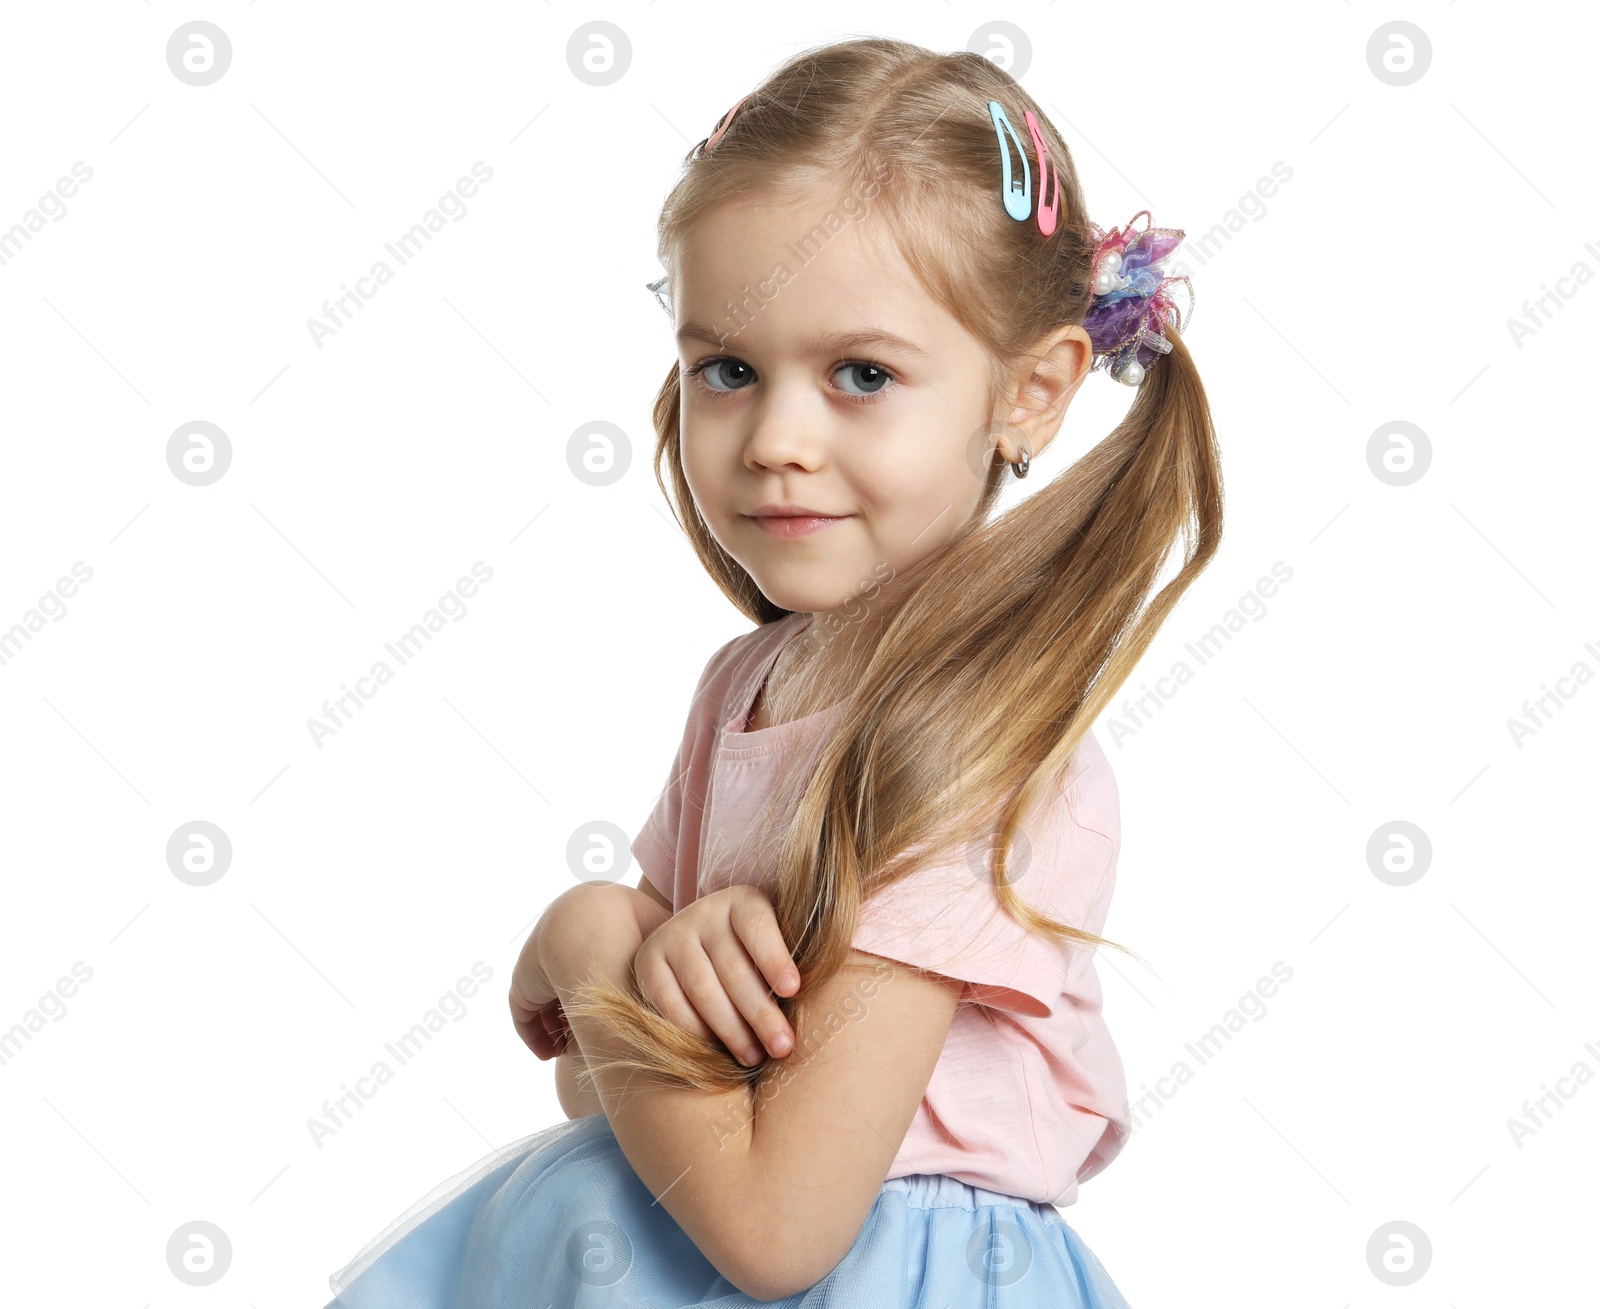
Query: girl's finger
point(659, 984)
point(537, 1039)
point(708, 991)
point(543, 1029)
point(756, 925)
point(747, 989)
point(554, 1024)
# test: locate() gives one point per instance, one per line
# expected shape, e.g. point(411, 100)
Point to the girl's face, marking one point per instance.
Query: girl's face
point(816, 372)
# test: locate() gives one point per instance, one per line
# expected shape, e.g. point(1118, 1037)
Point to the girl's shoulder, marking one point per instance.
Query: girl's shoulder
point(735, 664)
point(750, 648)
point(1089, 791)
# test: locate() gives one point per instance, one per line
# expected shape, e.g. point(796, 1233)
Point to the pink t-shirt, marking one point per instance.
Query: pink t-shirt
point(1028, 1096)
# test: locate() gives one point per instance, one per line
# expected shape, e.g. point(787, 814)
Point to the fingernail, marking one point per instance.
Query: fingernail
point(752, 1057)
point(780, 1044)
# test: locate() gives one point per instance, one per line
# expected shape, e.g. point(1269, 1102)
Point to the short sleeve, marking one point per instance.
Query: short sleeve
point(656, 846)
point(947, 917)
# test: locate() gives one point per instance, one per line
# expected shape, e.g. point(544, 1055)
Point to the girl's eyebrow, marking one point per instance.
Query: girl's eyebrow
point(826, 343)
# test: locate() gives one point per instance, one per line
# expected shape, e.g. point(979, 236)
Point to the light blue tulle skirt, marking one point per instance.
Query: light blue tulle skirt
point(559, 1220)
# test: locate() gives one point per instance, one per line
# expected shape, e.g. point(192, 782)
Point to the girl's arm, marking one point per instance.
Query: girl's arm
point(576, 1097)
point(578, 1100)
point(773, 1183)
point(651, 908)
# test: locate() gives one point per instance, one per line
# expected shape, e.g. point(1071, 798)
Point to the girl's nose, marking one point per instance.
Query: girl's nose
point(785, 431)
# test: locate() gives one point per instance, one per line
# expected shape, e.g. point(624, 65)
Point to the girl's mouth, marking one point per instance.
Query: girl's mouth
point(781, 525)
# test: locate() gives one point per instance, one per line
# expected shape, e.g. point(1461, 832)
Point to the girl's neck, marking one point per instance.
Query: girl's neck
point(814, 671)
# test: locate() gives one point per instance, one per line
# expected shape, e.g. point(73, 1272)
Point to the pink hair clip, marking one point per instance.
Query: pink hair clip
point(1047, 217)
point(723, 124)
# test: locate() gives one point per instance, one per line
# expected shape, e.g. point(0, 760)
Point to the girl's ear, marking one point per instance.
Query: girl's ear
point(1043, 387)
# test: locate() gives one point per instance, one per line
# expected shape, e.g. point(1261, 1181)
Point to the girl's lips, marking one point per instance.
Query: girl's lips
point(775, 525)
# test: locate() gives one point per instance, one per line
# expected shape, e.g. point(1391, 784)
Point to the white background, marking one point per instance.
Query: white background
point(368, 475)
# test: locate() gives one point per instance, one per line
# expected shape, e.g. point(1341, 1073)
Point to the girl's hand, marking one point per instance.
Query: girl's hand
point(708, 968)
point(578, 913)
point(535, 1007)
point(543, 1030)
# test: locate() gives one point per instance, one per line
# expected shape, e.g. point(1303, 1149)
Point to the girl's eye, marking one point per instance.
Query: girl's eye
point(722, 375)
point(869, 376)
point(709, 370)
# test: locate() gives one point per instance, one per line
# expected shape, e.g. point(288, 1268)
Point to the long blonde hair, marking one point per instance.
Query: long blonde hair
point(999, 648)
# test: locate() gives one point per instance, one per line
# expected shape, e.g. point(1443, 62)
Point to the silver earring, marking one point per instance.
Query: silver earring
point(1020, 468)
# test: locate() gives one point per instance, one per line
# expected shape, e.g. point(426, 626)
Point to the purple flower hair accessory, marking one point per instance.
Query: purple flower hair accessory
point(1131, 307)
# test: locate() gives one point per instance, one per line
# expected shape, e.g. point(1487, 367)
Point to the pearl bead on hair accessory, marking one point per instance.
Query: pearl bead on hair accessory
point(1131, 307)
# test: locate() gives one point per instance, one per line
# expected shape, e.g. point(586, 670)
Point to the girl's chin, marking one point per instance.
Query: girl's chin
point(810, 594)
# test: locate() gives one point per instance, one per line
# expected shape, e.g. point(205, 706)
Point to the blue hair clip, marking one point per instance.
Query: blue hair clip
point(1018, 199)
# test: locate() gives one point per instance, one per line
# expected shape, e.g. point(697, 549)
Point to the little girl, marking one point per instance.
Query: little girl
point(843, 1045)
